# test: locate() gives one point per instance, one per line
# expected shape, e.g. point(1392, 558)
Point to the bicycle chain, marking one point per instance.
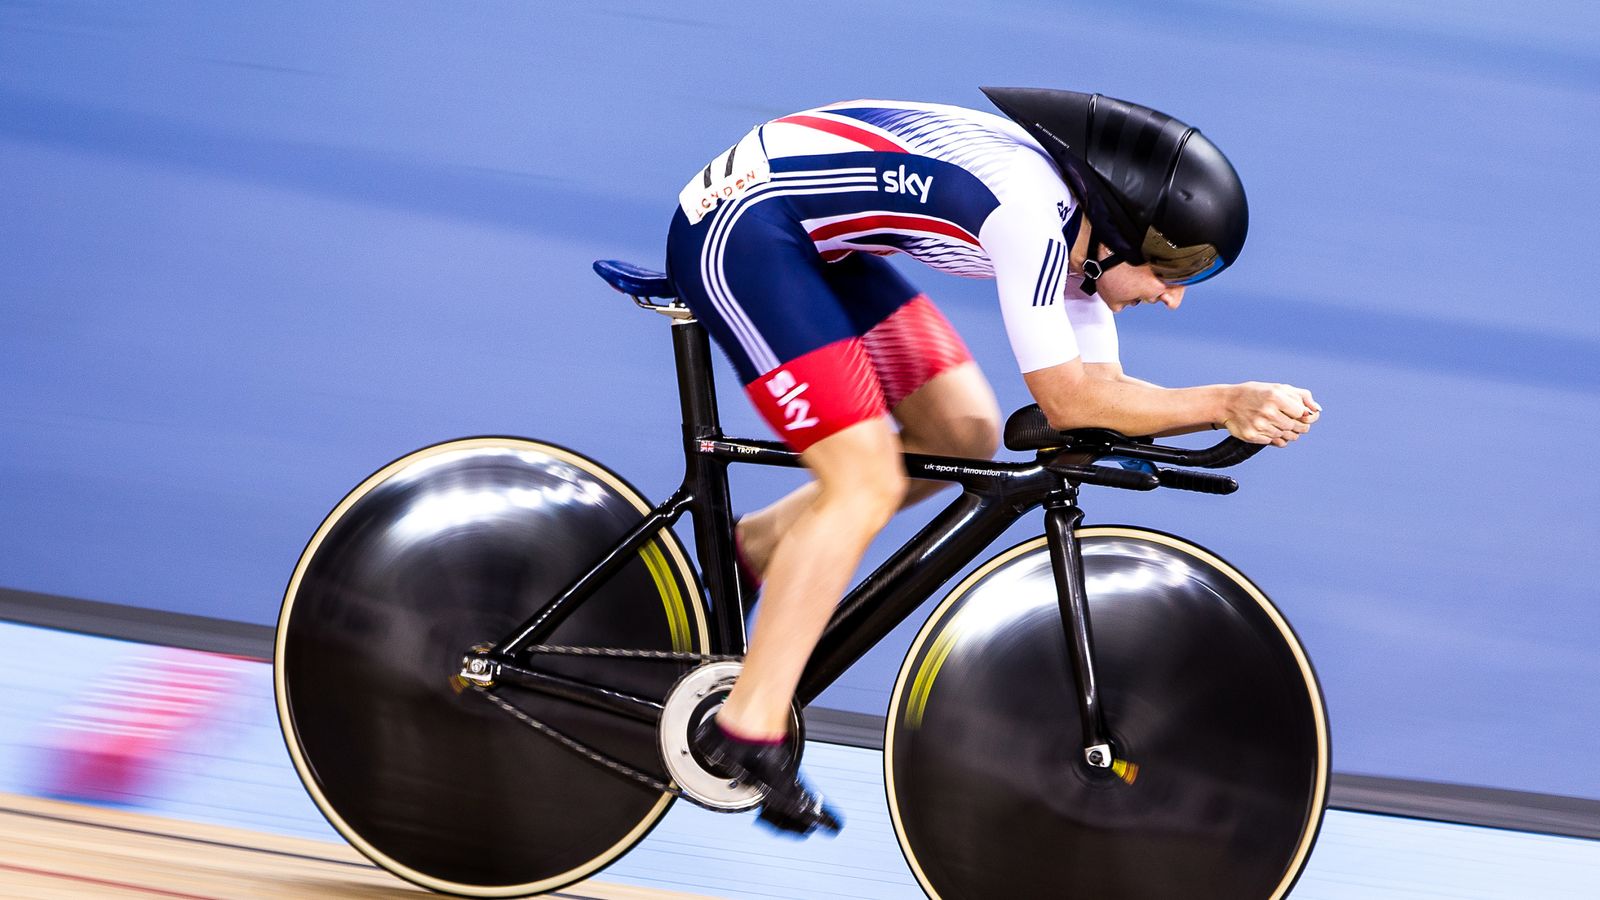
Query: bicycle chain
point(580, 748)
point(577, 746)
point(674, 655)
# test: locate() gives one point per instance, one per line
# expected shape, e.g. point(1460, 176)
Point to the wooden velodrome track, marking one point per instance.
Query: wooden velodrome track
point(52, 849)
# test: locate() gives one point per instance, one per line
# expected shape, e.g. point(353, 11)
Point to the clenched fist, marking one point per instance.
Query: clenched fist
point(1275, 414)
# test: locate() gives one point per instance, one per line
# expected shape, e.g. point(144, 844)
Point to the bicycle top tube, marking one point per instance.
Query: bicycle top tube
point(1069, 454)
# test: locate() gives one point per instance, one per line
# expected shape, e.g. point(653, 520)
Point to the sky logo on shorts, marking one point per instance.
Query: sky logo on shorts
point(903, 182)
point(796, 409)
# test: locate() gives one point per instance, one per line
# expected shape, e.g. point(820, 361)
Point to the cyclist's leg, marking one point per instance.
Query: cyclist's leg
point(936, 392)
point(859, 486)
point(953, 414)
point(753, 277)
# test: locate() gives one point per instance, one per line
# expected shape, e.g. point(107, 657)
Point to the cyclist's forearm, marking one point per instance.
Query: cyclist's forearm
point(1180, 430)
point(1126, 404)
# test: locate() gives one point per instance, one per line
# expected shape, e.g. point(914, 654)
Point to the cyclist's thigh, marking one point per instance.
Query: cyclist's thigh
point(909, 340)
point(752, 276)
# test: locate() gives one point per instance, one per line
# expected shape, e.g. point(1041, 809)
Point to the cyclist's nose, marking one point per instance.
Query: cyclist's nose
point(1172, 296)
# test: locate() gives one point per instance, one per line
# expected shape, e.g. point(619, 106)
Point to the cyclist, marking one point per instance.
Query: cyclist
point(1078, 205)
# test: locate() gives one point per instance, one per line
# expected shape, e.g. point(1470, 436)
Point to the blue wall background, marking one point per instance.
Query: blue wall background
point(248, 253)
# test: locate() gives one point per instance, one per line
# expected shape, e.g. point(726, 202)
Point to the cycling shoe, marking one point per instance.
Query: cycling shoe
point(790, 805)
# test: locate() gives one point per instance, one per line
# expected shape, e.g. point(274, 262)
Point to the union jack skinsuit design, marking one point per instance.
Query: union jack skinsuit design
point(775, 247)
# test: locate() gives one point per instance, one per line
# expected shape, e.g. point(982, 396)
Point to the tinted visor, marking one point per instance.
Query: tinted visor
point(1180, 265)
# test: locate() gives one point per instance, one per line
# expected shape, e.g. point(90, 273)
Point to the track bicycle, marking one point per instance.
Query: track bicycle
point(493, 652)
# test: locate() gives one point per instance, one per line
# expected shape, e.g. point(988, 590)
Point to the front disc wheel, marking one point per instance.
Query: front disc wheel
point(1213, 708)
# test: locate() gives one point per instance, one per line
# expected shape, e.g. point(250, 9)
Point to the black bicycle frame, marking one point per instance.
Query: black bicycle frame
point(993, 496)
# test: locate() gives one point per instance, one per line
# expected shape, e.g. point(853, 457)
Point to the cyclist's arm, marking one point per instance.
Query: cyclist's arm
point(1065, 343)
point(1113, 372)
point(1054, 335)
point(1097, 395)
point(1032, 269)
point(1074, 397)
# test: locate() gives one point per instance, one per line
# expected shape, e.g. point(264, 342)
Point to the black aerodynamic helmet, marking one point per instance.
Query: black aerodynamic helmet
point(1155, 190)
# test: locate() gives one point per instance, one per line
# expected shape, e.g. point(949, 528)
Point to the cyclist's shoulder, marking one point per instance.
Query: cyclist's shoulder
point(925, 128)
point(990, 147)
point(867, 105)
point(916, 121)
point(1031, 195)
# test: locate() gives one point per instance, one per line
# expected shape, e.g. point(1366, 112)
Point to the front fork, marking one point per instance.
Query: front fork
point(1062, 517)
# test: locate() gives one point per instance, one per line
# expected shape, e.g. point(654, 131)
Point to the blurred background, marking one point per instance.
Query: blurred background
point(250, 253)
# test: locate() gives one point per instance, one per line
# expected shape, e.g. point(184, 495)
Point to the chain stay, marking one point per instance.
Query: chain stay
point(584, 750)
point(580, 748)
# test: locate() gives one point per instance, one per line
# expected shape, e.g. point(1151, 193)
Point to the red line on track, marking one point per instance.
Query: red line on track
point(104, 883)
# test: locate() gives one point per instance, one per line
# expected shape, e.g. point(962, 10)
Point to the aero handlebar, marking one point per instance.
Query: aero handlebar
point(1027, 429)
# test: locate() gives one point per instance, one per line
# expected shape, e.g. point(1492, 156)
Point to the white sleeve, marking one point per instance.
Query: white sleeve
point(1048, 320)
point(1030, 270)
point(1094, 327)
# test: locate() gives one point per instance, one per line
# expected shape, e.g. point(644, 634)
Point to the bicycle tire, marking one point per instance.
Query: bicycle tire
point(444, 548)
point(1206, 688)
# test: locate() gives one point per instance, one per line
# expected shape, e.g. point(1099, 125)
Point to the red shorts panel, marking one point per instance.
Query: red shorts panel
point(819, 394)
point(915, 343)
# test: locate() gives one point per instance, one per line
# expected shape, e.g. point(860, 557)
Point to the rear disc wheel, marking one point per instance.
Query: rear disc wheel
point(449, 547)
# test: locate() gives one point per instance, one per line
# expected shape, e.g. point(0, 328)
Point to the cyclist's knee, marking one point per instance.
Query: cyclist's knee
point(873, 484)
point(878, 499)
point(865, 502)
point(860, 473)
point(976, 436)
point(954, 414)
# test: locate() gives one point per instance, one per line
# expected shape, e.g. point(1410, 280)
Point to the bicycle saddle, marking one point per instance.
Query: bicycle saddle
point(634, 280)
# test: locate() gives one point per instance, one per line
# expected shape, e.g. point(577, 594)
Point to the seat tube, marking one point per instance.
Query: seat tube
point(1062, 517)
point(697, 390)
point(707, 479)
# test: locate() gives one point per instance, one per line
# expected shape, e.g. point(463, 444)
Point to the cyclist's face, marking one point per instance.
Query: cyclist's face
point(1129, 285)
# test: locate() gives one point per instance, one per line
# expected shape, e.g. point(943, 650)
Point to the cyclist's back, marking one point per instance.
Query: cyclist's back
point(920, 178)
point(963, 191)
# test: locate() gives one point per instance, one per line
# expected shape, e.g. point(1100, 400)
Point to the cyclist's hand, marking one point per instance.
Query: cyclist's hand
point(1275, 414)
